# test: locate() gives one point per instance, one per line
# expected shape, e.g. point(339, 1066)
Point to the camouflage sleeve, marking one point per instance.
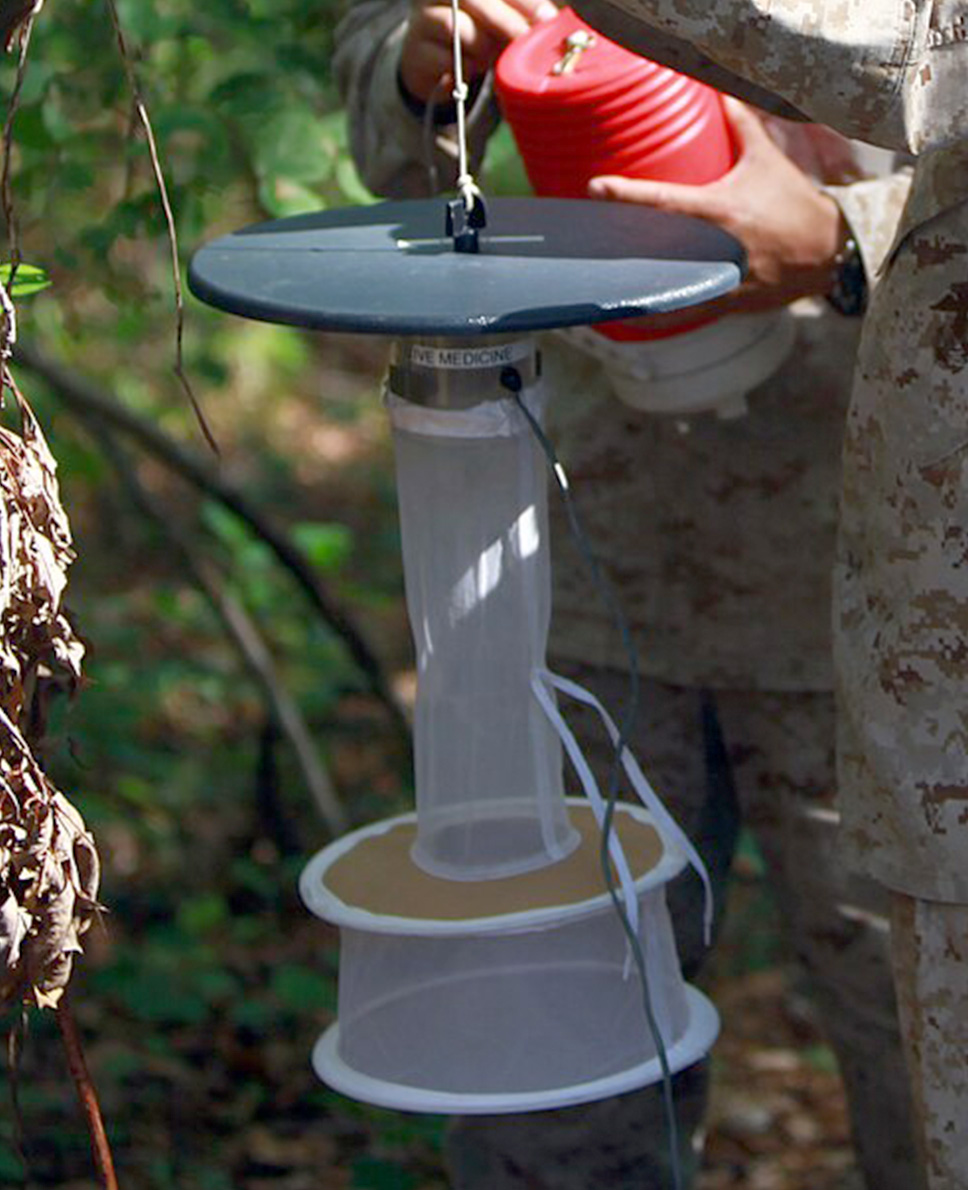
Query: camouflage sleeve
point(397, 153)
point(893, 72)
point(873, 209)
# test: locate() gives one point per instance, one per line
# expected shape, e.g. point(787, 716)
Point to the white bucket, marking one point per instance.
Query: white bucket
point(709, 369)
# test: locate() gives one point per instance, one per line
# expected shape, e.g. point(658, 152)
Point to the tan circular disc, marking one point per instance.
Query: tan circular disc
point(379, 876)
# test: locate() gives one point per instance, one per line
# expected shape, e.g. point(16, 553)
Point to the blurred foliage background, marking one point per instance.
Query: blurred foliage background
point(202, 995)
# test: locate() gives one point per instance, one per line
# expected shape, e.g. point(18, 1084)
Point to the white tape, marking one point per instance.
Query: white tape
point(489, 419)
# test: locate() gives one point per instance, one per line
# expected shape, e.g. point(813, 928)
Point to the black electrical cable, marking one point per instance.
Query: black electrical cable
point(511, 380)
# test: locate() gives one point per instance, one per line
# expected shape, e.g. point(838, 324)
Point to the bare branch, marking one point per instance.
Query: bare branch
point(79, 393)
point(252, 647)
point(87, 1094)
point(15, 1043)
point(259, 660)
point(159, 174)
point(291, 721)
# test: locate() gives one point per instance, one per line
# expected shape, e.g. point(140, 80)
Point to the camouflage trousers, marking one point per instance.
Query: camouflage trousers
point(767, 757)
point(930, 944)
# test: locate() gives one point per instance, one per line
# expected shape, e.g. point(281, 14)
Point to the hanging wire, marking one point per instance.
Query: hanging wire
point(427, 138)
point(511, 380)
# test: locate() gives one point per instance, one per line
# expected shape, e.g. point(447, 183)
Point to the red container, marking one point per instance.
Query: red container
point(609, 112)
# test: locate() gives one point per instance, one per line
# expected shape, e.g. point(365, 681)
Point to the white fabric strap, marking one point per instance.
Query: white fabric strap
point(541, 679)
point(490, 419)
point(544, 680)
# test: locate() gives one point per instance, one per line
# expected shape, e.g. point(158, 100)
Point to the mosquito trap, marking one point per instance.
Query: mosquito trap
point(483, 966)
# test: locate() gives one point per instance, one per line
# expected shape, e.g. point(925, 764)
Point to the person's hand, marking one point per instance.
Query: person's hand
point(791, 230)
point(486, 27)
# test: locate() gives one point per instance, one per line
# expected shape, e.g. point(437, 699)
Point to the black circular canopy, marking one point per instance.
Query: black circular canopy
point(540, 263)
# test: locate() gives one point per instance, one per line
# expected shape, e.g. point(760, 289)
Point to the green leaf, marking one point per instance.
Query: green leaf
point(35, 84)
point(203, 915)
point(119, 1064)
point(75, 176)
point(350, 186)
point(31, 131)
point(192, 121)
point(282, 196)
point(11, 1167)
point(503, 170)
point(146, 23)
point(216, 986)
point(250, 1013)
point(28, 279)
point(226, 525)
point(213, 1179)
point(302, 990)
point(400, 1130)
point(255, 878)
point(326, 545)
point(370, 1173)
point(290, 145)
point(749, 857)
point(821, 1057)
point(98, 239)
point(247, 95)
point(149, 996)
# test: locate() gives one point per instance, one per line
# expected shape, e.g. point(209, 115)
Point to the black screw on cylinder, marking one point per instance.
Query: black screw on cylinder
point(511, 379)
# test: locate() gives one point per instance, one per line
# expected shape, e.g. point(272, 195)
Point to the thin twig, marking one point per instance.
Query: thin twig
point(159, 174)
point(9, 334)
point(259, 660)
point(130, 132)
point(6, 193)
point(87, 1094)
point(15, 1040)
point(252, 647)
point(80, 394)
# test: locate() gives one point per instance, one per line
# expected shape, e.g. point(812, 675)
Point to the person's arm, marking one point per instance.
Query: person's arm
point(872, 210)
point(396, 153)
point(393, 63)
point(893, 72)
point(794, 229)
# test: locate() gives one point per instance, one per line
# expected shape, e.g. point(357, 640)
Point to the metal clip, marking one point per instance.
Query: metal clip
point(463, 224)
point(575, 45)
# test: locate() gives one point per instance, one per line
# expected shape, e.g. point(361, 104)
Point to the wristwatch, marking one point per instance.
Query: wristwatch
point(848, 293)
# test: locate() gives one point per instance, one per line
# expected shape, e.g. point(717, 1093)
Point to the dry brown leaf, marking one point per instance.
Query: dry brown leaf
point(49, 868)
point(13, 14)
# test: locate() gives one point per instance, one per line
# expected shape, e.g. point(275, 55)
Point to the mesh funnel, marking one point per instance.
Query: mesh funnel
point(473, 516)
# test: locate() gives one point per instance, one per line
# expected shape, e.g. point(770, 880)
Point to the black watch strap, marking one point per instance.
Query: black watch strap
point(848, 293)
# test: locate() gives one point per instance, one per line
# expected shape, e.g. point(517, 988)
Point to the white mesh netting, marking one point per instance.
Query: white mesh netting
point(473, 512)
